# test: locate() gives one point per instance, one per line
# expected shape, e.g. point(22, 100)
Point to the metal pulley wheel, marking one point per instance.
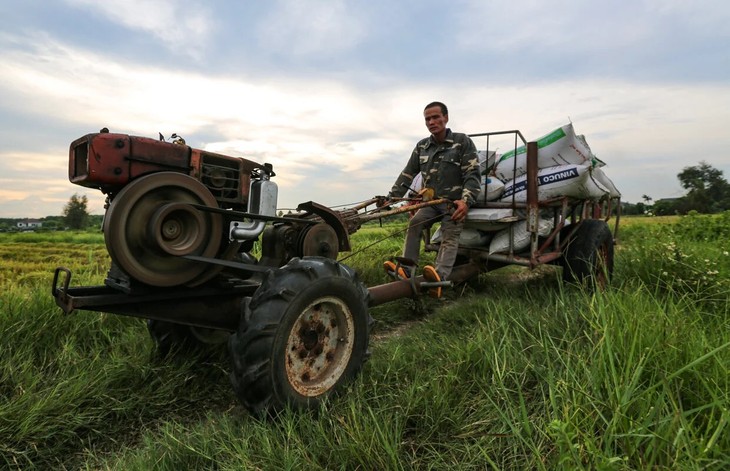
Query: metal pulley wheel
point(319, 240)
point(151, 223)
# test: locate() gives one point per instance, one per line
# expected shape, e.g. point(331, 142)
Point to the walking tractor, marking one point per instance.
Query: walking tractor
point(181, 224)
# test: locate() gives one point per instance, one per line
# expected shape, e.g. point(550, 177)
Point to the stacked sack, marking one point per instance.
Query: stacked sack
point(566, 167)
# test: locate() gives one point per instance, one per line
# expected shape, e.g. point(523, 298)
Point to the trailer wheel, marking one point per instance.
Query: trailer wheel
point(589, 254)
point(303, 335)
point(169, 335)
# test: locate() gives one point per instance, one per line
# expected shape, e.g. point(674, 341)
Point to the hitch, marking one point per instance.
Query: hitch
point(60, 294)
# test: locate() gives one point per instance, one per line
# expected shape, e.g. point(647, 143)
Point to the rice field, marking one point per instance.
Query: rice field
point(512, 371)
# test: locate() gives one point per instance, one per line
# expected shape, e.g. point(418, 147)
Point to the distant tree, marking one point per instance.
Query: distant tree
point(634, 209)
point(708, 191)
point(647, 199)
point(628, 208)
point(95, 221)
point(50, 225)
point(75, 213)
point(668, 207)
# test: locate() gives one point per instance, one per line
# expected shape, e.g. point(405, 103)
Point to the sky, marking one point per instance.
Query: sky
point(331, 93)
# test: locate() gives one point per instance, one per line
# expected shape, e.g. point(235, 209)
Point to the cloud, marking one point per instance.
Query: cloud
point(42, 193)
point(311, 27)
point(563, 26)
point(11, 195)
point(299, 127)
point(182, 25)
point(76, 85)
point(646, 40)
point(32, 162)
point(329, 140)
point(703, 17)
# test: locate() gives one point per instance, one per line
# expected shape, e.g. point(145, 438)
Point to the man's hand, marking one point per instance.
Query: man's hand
point(382, 202)
point(460, 211)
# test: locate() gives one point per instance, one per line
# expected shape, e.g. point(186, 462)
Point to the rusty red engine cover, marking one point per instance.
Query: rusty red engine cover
point(109, 161)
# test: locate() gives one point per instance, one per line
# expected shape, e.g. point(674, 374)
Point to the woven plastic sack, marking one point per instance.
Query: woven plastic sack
point(560, 147)
point(500, 241)
point(566, 180)
point(469, 237)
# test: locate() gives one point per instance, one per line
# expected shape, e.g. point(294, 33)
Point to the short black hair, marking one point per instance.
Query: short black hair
point(444, 110)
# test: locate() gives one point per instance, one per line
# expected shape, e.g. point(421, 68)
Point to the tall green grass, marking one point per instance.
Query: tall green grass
point(510, 372)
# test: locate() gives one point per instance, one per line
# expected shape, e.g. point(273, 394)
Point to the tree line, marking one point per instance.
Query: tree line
point(708, 192)
point(75, 216)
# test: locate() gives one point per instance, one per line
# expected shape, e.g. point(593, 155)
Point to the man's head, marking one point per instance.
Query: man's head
point(436, 116)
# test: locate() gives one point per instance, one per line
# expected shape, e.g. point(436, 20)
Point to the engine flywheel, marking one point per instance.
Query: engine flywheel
point(151, 223)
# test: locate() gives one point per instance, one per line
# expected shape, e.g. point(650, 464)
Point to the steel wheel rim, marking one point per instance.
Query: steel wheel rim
point(319, 346)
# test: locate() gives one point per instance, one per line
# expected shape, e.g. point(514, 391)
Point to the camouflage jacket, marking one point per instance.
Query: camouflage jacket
point(451, 168)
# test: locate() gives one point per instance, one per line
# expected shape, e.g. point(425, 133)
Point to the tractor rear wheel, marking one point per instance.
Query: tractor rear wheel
point(303, 335)
point(589, 254)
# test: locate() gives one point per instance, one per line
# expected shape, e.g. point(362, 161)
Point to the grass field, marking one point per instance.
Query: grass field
point(513, 371)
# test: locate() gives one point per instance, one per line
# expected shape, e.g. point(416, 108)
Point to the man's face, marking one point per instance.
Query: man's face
point(435, 120)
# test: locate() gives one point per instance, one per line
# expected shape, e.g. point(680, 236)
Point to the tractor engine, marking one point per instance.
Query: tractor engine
point(181, 225)
point(168, 203)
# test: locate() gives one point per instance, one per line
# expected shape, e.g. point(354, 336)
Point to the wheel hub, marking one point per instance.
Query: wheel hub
point(319, 346)
point(171, 230)
point(178, 229)
point(310, 338)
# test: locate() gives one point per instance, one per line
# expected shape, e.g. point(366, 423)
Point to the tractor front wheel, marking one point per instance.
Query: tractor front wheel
point(303, 335)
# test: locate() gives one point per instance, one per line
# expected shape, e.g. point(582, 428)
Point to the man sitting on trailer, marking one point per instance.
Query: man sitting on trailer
point(449, 166)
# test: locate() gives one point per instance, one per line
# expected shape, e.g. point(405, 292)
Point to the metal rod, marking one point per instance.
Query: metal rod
point(532, 203)
point(403, 209)
point(497, 133)
point(388, 292)
point(244, 215)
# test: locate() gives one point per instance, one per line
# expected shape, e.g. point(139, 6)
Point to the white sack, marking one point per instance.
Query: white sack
point(469, 237)
point(500, 241)
point(416, 185)
point(605, 182)
point(560, 147)
point(489, 219)
point(486, 161)
point(566, 180)
point(492, 187)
